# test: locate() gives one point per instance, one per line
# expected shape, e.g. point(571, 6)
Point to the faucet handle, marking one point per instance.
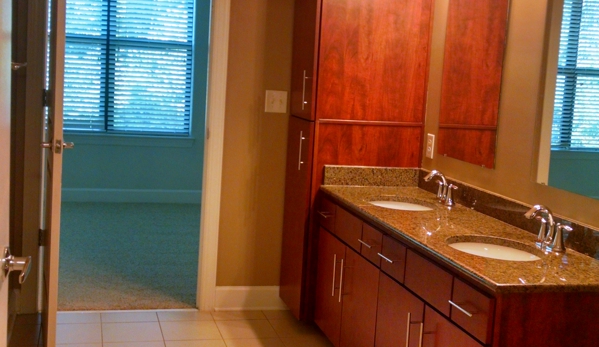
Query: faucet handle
point(440, 190)
point(449, 195)
point(558, 241)
point(542, 231)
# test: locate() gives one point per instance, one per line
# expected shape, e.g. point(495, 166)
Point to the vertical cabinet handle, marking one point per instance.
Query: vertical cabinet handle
point(304, 102)
point(299, 159)
point(334, 271)
point(409, 324)
point(341, 281)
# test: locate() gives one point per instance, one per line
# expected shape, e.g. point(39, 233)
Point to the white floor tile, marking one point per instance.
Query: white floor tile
point(78, 333)
point(173, 316)
point(238, 315)
point(245, 329)
point(134, 344)
point(202, 343)
point(190, 330)
point(129, 317)
point(272, 342)
point(77, 317)
point(131, 332)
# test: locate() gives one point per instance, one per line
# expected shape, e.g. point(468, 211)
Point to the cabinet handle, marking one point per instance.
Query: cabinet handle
point(299, 159)
point(408, 331)
point(325, 214)
point(341, 281)
point(334, 271)
point(304, 102)
point(459, 308)
point(386, 259)
point(364, 243)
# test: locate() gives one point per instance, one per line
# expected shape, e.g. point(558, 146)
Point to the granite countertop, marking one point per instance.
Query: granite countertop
point(429, 230)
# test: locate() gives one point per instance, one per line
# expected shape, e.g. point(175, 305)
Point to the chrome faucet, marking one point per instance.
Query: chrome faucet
point(551, 234)
point(444, 192)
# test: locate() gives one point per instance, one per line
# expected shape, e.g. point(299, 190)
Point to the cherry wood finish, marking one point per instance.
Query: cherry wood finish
point(305, 40)
point(396, 252)
point(327, 310)
point(429, 281)
point(471, 82)
point(296, 213)
point(326, 213)
point(440, 332)
point(373, 59)
point(395, 302)
point(476, 303)
point(547, 319)
point(373, 244)
point(471, 145)
point(360, 291)
point(348, 228)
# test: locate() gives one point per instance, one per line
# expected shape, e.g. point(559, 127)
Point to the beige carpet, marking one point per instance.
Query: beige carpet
point(128, 256)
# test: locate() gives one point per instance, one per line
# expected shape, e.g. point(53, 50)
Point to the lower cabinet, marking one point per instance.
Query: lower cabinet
point(440, 332)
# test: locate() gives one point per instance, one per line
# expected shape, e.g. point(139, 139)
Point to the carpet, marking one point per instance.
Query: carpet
point(128, 256)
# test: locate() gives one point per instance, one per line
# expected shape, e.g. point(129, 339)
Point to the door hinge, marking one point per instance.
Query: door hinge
point(45, 98)
point(41, 238)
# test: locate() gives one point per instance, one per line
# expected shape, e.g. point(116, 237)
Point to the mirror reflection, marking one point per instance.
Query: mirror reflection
point(569, 147)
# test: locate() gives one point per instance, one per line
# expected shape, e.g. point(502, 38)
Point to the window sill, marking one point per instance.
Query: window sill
point(129, 140)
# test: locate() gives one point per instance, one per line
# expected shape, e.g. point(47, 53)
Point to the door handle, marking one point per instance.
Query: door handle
point(58, 145)
point(12, 263)
point(16, 66)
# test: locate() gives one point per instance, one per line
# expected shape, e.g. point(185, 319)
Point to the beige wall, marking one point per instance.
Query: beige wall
point(253, 183)
point(519, 118)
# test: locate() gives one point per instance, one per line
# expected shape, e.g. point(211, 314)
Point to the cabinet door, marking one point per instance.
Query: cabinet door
point(440, 332)
point(303, 59)
point(327, 310)
point(397, 306)
point(296, 213)
point(359, 288)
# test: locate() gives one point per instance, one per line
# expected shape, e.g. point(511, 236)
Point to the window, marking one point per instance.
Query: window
point(128, 66)
point(576, 108)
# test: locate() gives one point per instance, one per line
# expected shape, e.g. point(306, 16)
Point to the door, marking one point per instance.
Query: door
point(53, 147)
point(5, 76)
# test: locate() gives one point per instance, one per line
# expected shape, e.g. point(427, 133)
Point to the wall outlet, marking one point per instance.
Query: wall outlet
point(430, 145)
point(275, 101)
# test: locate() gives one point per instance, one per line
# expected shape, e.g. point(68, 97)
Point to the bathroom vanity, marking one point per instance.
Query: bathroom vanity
point(388, 277)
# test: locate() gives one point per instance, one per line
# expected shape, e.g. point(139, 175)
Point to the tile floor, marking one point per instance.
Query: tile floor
point(185, 328)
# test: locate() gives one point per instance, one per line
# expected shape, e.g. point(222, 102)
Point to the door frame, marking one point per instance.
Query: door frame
point(213, 158)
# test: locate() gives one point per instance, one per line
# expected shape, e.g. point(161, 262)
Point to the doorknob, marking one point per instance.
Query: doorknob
point(12, 263)
point(17, 66)
point(58, 145)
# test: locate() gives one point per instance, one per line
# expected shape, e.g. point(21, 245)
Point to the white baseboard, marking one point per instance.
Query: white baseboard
point(248, 298)
point(132, 195)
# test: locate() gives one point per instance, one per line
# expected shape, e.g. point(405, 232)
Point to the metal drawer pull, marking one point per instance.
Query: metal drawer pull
point(408, 331)
point(299, 159)
point(386, 259)
point(325, 215)
point(459, 308)
point(334, 271)
point(364, 243)
point(341, 281)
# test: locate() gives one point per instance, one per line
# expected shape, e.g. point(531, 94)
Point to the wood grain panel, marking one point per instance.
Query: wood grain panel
point(429, 281)
point(396, 252)
point(373, 62)
point(473, 61)
point(479, 305)
point(373, 240)
point(348, 228)
point(473, 146)
point(440, 332)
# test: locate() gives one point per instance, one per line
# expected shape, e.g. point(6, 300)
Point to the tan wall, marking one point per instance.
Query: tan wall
point(519, 116)
point(255, 144)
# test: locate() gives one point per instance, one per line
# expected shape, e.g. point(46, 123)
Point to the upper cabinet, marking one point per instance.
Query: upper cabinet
point(472, 67)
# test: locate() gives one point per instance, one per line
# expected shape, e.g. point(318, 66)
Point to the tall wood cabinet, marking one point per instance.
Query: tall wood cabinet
point(359, 74)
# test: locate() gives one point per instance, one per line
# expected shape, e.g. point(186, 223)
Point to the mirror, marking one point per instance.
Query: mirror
point(569, 137)
point(475, 42)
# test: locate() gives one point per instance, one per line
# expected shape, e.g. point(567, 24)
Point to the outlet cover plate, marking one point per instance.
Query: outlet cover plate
point(430, 145)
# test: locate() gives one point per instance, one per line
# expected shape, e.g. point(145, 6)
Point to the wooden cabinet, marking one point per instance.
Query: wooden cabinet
point(440, 332)
point(296, 213)
point(359, 74)
point(429, 281)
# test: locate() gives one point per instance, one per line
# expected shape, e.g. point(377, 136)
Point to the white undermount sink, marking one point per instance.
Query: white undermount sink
point(488, 247)
point(401, 205)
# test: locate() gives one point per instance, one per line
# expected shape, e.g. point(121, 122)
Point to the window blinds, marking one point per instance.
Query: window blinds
point(128, 66)
point(576, 108)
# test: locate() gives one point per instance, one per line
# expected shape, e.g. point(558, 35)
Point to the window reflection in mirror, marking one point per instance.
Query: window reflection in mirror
point(569, 145)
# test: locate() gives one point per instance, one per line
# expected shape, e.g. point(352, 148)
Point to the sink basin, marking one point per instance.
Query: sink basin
point(401, 205)
point(494, 247)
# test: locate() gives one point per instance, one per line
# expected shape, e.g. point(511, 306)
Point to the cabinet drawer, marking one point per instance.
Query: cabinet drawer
point(429, 281)
point(395, 263)
point(325, 214)
point(371, 244)
point(348, 228)
point(478, 316)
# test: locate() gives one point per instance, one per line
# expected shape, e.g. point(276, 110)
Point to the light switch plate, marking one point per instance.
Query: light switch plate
point(430, 145)
point(276, 101)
